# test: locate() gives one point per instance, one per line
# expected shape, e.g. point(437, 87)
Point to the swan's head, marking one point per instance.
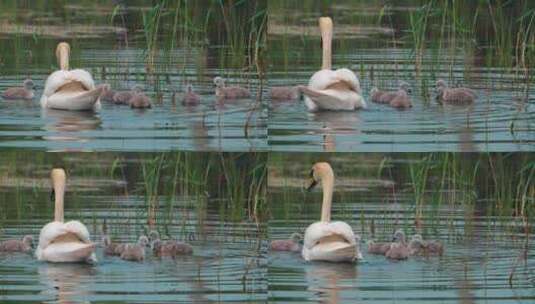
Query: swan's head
point(417, 237)
point(63, 47)
point(189, 88)
point(440, 91)
point(28, 240)
point(441, 84)
point(219, 82)
point(405, 86)
point(417, 241)
point(374, 90)
point(154, 235)
point(28, 84)
point(296, 237)
point(143, 241)
point(399, 236)
point(319, 171)
point(63, 51)
point(58, 177)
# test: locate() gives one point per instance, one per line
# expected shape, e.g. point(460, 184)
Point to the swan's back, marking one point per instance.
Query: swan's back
point(65, 242)
point(319, 230)
point(324, 79)
point(330, 241)
point(334, 90)
point(70, 90)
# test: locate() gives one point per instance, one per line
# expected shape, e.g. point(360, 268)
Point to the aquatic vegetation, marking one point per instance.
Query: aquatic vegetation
point(433, 181)
point(107, 191)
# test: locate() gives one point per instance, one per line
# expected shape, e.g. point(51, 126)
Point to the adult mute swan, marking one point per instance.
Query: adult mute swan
point(64, 242)
point(337, 90)
point(326, 240)
point(70, 89)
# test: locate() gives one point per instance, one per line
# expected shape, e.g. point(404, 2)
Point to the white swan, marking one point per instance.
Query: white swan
point(64, 242)
point(326, 240)
point(337, 90)
point(70, 89)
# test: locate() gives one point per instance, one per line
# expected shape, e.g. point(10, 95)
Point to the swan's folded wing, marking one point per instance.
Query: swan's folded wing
point(335, 99)
point(343, 229)
point(68, 252)
point(79, 229)
point(50, 232)
point(347, 78)
point(74, 100)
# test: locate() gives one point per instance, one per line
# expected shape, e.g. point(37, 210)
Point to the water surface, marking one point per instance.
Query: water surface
point(228, 263)
point(481, 247)
point(111, 41)
point(376, 42)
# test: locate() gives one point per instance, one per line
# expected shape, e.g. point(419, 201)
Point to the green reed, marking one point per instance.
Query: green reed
point(498, 184)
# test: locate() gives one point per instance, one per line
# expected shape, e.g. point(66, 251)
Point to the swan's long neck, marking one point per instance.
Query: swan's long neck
point(58, 180)
point(326, 28)
point(327, 182)
point(62, 53)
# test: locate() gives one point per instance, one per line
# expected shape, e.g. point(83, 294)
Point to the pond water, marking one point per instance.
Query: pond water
point(375, 41)
point(116, 52)
point(228, 263)
point(481, 248)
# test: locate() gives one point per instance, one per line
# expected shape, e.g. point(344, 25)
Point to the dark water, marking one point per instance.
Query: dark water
point(228, 264)
point(481, 248)
point(364, 35)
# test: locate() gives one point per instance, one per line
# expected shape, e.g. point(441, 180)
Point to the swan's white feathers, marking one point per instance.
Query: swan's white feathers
point(330, 241)
point(334, 90)
point(319, 230)
point(51, 98)
point(78, 248)
point(59, 78)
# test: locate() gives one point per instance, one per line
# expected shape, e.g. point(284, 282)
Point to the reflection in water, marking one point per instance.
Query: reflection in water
point(200, 135)
point(335, 123)
point(483, 244)
point(67, 283)
point(65, 124)
point(466, 139)
point(496, 123)
point(324, 279)
point(227, 264)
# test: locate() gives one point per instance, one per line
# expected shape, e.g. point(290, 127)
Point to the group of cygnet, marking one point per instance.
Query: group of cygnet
point(334, 241)
point(126, 251)
point(399, 249)
point(136, 251)
point(63, 241)
point(339, 90)
point(75, 90)
point(135, 98)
